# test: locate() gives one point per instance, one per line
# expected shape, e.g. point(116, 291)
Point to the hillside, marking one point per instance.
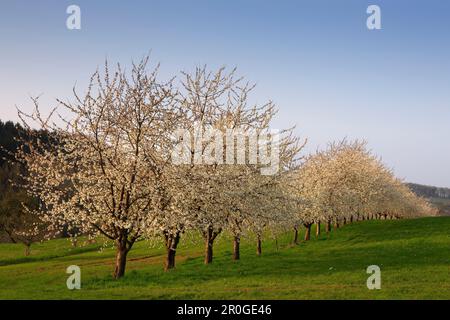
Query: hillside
point(439, 197)
point(413, 256)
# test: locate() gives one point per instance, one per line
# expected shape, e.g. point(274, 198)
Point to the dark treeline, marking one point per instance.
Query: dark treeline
point(439, 197)
point(13, 218)
point(10, 196)
point(10, 136)
point(429, 191)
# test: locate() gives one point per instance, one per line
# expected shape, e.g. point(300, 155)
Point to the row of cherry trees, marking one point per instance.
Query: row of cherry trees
point(113, 172)
point(346, 182)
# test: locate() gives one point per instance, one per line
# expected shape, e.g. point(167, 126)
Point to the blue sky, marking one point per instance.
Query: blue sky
point(328, 74)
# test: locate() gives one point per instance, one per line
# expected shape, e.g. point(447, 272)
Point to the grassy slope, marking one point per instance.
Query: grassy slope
point(414, 257)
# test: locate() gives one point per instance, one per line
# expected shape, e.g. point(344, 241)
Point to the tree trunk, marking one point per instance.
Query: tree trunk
point(27, 249)
point(170, 259)
point(344, 221)
point(336, 224)
point(328, 226)
point(258, 246)
point(208, 251)
point(171, 249)
point(295, 235)
point(121, 261)
point(317, 229)
point(351, 219)
point(308, 231)
point(236, 253)
point(209, 236)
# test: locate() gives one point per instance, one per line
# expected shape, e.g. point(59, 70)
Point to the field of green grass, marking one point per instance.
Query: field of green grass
point(414, 257)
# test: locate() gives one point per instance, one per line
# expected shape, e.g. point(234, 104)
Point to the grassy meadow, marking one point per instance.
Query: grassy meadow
point(414, 257)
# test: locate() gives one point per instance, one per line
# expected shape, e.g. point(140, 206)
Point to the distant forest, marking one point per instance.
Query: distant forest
point(12, 215)
point(430, 191)
point(439, 197)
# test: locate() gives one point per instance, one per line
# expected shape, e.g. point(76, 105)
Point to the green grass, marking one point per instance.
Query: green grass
point(414, 257)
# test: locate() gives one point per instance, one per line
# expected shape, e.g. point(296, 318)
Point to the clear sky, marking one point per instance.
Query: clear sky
point(316, 59)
